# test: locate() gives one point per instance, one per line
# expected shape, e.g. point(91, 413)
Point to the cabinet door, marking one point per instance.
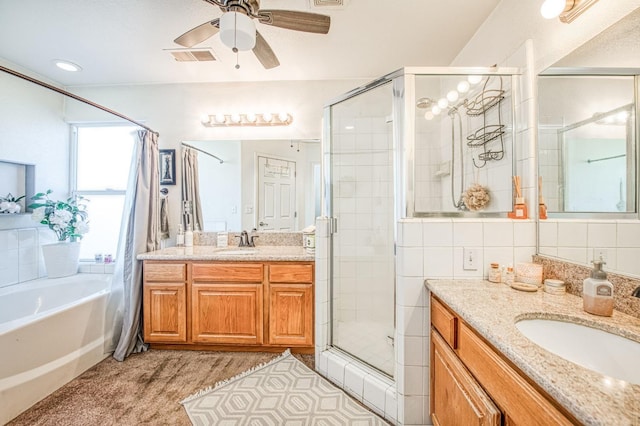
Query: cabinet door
point(456, 398)
point(226, 313)
point(165, 312)
point(291, 314)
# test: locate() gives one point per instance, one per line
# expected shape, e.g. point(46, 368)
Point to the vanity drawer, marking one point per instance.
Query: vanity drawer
point(165, 272)
point(228, 272)
point(445, 322)
point(291, 273)
point(507, 387)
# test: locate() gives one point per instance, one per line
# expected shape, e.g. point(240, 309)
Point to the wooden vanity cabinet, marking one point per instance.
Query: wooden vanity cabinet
point(519, 402)
point(229, 305)
point(165, 302)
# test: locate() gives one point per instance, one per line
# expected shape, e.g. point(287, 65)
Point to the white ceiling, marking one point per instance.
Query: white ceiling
point(125, 41)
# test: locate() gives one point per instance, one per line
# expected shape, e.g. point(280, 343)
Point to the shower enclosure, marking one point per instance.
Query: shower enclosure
point(418, 142)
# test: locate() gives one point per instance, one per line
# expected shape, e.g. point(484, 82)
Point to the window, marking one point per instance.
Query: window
point(101, 158)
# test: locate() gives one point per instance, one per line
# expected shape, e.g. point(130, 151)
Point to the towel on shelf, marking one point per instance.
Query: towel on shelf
point(164, 218)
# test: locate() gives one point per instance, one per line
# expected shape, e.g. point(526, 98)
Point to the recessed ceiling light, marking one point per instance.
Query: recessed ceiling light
point(67, 66)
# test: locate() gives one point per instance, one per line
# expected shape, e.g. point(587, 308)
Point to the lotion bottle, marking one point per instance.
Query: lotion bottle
point(597, 292)
point(188, 237)
point(180, 237)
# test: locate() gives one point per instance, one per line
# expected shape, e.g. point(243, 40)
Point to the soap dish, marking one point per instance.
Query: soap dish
point(524, 286)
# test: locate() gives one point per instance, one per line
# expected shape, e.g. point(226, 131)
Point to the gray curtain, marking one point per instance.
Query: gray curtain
point(191, 187)
point(140, 232)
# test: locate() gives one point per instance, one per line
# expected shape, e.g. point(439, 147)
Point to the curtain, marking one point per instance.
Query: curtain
point(139, 233)
point(191, 187)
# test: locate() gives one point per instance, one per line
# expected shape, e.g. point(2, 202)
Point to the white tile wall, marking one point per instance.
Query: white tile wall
point(581, 241)
point(20, 255)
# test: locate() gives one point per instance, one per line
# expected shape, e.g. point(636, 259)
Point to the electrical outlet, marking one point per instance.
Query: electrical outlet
point(600, 253)
point(470, 261)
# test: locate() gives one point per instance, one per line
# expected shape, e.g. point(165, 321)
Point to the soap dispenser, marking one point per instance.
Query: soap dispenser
point(597, 292)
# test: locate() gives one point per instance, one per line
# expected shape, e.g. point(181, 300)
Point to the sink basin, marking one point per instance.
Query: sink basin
point(237, 251)
point(594, 349)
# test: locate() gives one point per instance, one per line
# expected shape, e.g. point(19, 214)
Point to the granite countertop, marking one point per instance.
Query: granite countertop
point(493, 309)
point(261, 253)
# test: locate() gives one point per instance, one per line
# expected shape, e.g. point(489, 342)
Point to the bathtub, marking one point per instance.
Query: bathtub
point(51, 330)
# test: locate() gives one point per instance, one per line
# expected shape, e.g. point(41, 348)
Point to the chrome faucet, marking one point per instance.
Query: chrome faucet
point(636, 292)
point(244, 239)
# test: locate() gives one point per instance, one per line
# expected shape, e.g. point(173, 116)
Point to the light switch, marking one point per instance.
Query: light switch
point(470, 261)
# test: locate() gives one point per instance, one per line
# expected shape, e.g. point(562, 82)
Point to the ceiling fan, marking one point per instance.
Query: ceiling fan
point(245, 11)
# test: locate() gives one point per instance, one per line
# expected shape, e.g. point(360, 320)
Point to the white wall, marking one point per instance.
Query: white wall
point(33, 132)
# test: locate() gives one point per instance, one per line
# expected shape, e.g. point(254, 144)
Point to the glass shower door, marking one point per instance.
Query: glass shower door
point(362, 201)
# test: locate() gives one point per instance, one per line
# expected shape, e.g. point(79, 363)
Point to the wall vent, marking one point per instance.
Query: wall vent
point(328, 4)
point(193, 55)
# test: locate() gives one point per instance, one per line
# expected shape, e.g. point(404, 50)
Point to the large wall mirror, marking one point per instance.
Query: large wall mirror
point(588, 150)
point(263, 184)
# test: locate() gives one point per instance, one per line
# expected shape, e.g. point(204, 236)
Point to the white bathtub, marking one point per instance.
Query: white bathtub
point(51, 330)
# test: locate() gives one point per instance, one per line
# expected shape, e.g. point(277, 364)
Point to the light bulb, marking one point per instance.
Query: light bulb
point(443, 103)
point(283, 116)
point(453, 95)
point(474, 79)
point(552, 8)
point(622, 116)
point(463, 86)
point(428, 115)
point(235, 118)
point(436, 110)
point(205, 119)
point(220, 118)
point(267, 117)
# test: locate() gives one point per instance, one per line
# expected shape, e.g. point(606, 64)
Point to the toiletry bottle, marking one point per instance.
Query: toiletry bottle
point(494, 273)
point(188, 237)
point(180, 237)
point(597, 292)
point(509, 276)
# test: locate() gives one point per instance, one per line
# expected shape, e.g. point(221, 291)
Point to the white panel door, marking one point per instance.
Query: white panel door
point(276, 194)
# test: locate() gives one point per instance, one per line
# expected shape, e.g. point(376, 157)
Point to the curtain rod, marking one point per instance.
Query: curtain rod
point(204, 152)
point(71, 95)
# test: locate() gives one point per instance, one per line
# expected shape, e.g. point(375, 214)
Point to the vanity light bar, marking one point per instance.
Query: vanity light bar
point(264, 119)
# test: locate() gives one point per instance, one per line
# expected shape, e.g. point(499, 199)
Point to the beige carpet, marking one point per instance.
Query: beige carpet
point(145, 389)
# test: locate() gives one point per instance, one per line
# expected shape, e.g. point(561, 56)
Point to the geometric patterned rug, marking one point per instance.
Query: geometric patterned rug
point(283, 391)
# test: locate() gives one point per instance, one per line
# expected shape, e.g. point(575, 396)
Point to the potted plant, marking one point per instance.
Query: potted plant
point(10, 204)
point(69, 220)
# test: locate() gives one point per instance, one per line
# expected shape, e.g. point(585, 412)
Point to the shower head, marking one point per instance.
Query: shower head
point(424, 103)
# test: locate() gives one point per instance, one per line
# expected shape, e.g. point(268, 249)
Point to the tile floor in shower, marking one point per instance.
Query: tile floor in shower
point(368, 341)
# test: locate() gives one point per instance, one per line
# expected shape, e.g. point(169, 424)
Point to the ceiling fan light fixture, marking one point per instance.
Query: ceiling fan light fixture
point(237, 31)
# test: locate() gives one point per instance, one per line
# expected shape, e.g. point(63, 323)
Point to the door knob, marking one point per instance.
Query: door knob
point(263, 224)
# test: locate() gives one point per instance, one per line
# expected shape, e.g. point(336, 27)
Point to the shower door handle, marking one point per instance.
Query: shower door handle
point(333, 225)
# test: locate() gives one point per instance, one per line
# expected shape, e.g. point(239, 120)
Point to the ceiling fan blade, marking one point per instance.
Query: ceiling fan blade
point(295, 20)
point(199, 34)
point(263, 52)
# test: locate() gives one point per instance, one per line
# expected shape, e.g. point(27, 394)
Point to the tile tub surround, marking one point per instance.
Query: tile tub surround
point(264, 238)
point(265, 253)
point(594, 399)
point(573, 275)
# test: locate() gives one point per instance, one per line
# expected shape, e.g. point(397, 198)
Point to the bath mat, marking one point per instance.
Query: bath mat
point(283, 391)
